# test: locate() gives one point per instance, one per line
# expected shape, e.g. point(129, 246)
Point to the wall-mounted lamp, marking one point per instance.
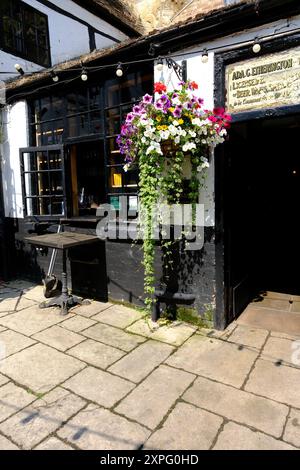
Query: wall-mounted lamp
point(19, 69)
point(153, 49)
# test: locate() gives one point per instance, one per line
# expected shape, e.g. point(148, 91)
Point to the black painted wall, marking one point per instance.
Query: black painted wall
point(113, 269)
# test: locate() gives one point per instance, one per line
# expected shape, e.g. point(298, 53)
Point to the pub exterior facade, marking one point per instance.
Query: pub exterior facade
point(61, 158)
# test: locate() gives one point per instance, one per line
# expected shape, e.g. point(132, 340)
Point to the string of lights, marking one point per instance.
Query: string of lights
point(159, 60)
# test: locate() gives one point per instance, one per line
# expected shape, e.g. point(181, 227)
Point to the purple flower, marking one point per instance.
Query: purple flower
point(175, 95)
point(147, 99)
point(159, 105)
point(164, 98)
point(177, 112)
point(129, 118)
point(181, 83)
point(137, 109)
point(188, 105)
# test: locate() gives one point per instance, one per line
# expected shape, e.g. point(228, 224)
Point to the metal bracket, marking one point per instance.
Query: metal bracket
point(180, 70)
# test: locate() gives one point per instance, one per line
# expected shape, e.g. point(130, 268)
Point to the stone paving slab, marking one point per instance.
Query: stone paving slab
point(99, 429)
point(5, 444)
point(277, 334)
point(40, 368)
point(12, 342)
point(292, 430)
point(90, 310)
point(187, 428)
point(53, 444)
point(14, 304)
point(59, 338)
point(31, 425)
point(3, 380)
point(32, 320)
point(77, 323)
point(96, 354)
point(280, 383)
point(252, 337)
point(281, 349)
point(175, 334)
point(13, 399)
point(295, 307)
point(151, 400)
point(236, 437)
point(215, 359)
point(99, 386)
point(136, 365)
point(270, 319)
point(113, 337)
point(276, 304)
point(35, 293)
point(237, 405)
point(118, 316)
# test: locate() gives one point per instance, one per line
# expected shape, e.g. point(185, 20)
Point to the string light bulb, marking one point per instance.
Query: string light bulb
point(256, 46)
point(54, 76)
point(84, 75)
point(119, 71)
point(19, 69)
point(204, 57)
point(160, 64)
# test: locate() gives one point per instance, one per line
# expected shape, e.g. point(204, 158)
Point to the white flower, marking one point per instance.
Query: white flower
point(154, 147)
point(175, 123)
point(182, 132)
point(196, 122)
point(177, 140)
point(176, 101)
point(149, 132)
point(143, 140)
point(188, 146)
point(223, 133)
point(192, 133)
point(204, 164)
point(172, 129)
point(126, 167)
point(165, 135)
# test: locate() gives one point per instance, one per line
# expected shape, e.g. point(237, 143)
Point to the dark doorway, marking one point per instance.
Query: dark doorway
point(262, 198)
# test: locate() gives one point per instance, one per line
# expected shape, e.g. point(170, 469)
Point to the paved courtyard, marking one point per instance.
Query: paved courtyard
point(105, 377)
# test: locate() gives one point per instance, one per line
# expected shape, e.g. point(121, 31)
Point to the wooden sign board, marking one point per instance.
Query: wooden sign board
point(264, 82)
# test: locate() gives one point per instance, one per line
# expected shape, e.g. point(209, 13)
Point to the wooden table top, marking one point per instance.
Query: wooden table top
point(62, 241)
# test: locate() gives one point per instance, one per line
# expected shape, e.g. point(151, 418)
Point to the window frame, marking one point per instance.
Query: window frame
point(23, 54)
point(143, 83)
point(25, 196)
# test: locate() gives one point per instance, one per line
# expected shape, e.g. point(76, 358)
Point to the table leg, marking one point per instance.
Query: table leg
point(64, 301)
point(65, 298)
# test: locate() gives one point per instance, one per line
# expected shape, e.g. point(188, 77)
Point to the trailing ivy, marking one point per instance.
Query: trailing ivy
point(159, 134)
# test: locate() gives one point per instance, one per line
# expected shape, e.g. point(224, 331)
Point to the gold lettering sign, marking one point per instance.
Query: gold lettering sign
point(266, 82)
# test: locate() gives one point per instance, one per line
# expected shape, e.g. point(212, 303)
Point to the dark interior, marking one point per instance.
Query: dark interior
point(90, 177)
point(262, 198)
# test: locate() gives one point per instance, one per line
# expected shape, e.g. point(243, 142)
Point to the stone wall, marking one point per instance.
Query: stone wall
point(156, 14)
